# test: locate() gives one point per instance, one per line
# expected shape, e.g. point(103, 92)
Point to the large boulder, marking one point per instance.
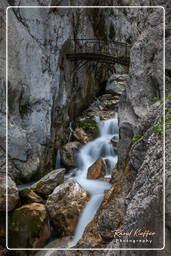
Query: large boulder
point(65, 205)
point(69, 153)
point(28, 226)
point(13, 196)
point(116, 84)
point(97, 170)
point(48, 183)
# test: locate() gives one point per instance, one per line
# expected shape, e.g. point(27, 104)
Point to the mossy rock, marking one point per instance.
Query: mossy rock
point(90, 126)
point(27, 195)
point(28, 226)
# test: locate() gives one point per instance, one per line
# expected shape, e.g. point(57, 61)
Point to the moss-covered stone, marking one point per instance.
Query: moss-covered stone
point(28, 226)
point(27, 195)
point(90, 126)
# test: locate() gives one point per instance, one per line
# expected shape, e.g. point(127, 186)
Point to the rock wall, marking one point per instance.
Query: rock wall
point(43, 96)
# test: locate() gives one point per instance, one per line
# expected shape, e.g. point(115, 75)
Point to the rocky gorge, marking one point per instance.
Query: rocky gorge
point(55, 114)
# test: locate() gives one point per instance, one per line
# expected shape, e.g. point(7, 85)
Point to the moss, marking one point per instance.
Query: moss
point(35, 225)
point(137, 137)
point(17, 215)
point(24, 192)
point(90, 126)
point(159, 129)
point(154, 99)
point(19, 219)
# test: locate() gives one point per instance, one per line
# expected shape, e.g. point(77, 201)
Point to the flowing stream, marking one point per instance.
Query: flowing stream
point(100, 147)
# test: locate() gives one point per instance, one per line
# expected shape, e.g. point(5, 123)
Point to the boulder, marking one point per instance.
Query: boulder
point(69, 153)
point(48, 183)
point(65, 205)
point(28, 226)
point(13, 195)
point(27, 195)
point(116, 84)
point(82, 136)
point(97, 170)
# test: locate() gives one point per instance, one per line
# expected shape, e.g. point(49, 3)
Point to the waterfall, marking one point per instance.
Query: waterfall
point(58, 160)
point(100, 147)
point(70, 132)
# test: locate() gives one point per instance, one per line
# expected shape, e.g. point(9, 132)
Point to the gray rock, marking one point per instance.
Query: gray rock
point(69, 153)
point(116, 84)
point(49, 182)
point(13, 195)
point(64, 206)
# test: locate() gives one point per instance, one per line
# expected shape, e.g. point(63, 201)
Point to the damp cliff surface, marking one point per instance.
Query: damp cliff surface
point(43, 99)
point(43, 94)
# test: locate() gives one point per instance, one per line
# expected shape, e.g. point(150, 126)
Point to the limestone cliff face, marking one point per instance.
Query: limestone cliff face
point(43, 96)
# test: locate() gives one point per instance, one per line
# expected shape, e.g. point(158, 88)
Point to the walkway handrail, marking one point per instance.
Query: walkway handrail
point(103, 46)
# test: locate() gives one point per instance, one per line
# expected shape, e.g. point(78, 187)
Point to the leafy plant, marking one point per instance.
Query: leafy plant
point(158, 129)
point(137, 137)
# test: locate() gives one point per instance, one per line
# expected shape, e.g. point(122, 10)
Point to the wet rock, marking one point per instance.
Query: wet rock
point(48, 183)
point(69, 153)
point(90, 126)
point(13, 195)
point(114, 141)
point(116, 84)
point(105, 115)
point(27, 195)
point(81, 136)
point(28, 226)
point(97, 170)
point(64, 206)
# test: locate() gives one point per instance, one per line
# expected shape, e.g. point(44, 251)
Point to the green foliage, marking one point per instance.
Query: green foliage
point(168, 97)
point(137, 138)
point(90, 126)
point(155, 99)
point(158, 129)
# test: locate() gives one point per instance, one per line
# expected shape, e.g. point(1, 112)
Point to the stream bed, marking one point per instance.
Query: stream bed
point(100, 147)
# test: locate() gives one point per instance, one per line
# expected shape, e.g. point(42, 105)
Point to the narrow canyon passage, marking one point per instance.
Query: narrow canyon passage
point(85, 127)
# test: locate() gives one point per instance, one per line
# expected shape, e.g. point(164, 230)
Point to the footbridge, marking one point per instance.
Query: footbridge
point(99, 51)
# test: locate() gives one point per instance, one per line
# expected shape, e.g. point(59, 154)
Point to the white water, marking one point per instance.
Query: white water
point(58, 160)
point(100, 147)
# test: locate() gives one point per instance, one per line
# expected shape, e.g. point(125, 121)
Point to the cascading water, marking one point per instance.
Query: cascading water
point(100, 147)
point(58, 160)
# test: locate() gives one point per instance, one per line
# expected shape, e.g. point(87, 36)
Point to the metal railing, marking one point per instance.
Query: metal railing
point(106, 47)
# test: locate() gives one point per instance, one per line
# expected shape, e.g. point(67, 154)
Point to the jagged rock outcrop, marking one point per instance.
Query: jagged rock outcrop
point(144, 83)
